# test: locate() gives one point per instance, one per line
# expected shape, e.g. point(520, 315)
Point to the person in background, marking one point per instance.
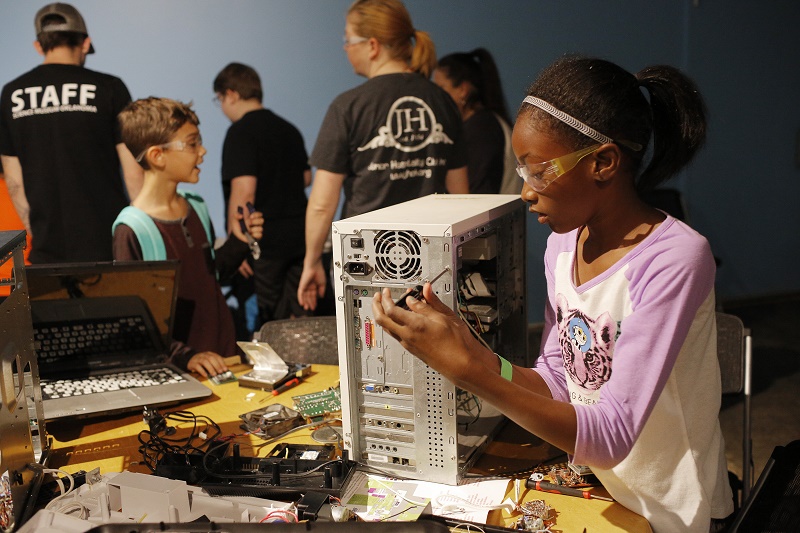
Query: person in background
point(164, 223)
point(264, 162)
point(628, 380)
point(394, 138)
point(472, 80)
point(60, 145)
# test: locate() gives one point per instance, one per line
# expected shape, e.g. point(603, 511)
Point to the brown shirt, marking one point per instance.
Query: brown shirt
point(202, 318)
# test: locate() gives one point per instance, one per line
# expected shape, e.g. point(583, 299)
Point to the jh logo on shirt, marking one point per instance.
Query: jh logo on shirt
point(410, 126)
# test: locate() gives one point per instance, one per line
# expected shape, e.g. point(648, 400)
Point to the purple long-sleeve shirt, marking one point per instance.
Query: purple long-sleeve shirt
point(634, 350)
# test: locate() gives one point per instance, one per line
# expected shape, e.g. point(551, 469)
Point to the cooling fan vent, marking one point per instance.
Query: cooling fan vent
point(398, 255)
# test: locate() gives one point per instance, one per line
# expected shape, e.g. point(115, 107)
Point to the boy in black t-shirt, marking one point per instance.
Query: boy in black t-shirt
point(264, 162)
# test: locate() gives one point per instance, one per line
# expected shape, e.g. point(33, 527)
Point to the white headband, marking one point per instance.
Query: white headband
point(568, 120)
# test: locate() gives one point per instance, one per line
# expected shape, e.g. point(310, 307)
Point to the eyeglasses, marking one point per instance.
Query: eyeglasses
point(180, 146)
point(218, 98)
point(539, 176)
point(352, 41)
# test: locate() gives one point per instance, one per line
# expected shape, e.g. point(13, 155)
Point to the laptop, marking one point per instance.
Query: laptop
point(102, 333)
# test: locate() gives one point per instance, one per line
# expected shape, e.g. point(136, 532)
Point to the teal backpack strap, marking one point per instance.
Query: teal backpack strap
point(150, 240)
point(200, 207)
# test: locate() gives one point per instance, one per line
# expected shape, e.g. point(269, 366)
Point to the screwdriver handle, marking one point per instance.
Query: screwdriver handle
point(544, 486)
point(416, 292)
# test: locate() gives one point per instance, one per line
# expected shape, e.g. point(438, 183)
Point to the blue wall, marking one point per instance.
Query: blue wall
point(741, 191)
point(744, 188)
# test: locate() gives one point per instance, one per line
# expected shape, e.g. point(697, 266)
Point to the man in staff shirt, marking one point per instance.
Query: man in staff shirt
point(61, 151)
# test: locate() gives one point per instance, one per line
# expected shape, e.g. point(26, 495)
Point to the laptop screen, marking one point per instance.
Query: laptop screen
point(155, 282)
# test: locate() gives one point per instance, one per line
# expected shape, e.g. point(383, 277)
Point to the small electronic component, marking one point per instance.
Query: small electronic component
point(368, 330)
point(271, 421)
point(318, 406)
point(224, 377)
point(572, 476)
point(306, 452)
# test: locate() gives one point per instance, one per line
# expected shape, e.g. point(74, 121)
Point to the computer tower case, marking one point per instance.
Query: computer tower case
point(23, 439)
point(399, 415)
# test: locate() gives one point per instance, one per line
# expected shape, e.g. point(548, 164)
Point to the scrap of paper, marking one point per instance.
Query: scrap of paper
point(380, 498)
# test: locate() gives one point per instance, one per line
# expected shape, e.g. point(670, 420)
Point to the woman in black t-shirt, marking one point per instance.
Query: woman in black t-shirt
point(393, 138)
point(472, 80)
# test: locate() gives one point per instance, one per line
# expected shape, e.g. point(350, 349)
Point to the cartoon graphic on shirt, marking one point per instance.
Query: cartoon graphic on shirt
point(587, 345)
point(410, 126)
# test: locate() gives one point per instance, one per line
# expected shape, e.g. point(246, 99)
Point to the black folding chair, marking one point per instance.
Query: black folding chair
point(774, 502)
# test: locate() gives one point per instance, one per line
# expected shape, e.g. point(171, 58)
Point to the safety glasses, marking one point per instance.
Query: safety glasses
point(539, 176)
point(180, 146)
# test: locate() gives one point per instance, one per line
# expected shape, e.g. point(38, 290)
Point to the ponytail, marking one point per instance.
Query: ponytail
point(679, 122)
point(478, 69)
point(491, 89)
point(423, 55)
point(609, 99)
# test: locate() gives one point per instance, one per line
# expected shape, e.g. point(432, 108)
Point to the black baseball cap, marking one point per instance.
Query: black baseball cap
point(72, 20)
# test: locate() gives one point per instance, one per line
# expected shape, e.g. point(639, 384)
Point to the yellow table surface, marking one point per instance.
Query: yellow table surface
point(111, 443)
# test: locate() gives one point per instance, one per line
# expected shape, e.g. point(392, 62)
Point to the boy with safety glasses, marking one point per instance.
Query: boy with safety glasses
point(165, 223)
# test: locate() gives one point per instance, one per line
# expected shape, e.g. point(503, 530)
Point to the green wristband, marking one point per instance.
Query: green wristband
point(506, 369)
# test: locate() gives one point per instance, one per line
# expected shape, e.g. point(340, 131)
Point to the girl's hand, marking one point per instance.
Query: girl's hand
point(433, 332)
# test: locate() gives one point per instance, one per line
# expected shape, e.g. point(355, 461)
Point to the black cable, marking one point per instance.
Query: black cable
point(208, 470)
point(154, 447)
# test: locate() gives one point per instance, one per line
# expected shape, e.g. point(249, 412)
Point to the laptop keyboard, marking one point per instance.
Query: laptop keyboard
point(75, 342)
point(109, 382)
point(78, 338)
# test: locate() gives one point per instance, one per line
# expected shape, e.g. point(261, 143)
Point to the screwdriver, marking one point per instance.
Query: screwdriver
point(255, 248)
point(286, 386)
point(416, 292)
point(544, 486)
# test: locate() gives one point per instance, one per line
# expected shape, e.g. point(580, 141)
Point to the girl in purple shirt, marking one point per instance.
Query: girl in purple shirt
point(627, 380)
